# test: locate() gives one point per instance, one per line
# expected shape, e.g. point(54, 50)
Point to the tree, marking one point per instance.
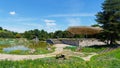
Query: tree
point(5, 34)
point(109, 19)
point(95, 25)
point(31, 34)
point(67, 34)
point(18, 35)
point(58, 34)
point(43, 35)
point(1, 28)
point(51, 35)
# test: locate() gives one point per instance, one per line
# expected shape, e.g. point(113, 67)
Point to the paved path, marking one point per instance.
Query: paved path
point(58, 50)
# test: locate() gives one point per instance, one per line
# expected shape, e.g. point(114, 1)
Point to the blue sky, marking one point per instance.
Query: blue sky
point(50, 15)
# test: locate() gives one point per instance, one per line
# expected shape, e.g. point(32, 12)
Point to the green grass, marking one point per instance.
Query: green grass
point(72, 48)
point(106, 60)
point(20, 52)
point(44, 63)
point(89, 49)
point(44, 50)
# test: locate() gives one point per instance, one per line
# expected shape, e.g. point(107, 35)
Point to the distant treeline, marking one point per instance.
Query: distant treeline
point(43, 35)
point(31, 34)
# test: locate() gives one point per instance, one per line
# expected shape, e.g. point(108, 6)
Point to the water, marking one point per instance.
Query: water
point(19, 47)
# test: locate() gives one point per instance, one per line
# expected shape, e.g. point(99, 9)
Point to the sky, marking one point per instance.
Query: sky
point(50, 15)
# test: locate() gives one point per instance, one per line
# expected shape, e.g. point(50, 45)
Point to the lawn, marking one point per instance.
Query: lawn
point(107, 60)
point(88, 49)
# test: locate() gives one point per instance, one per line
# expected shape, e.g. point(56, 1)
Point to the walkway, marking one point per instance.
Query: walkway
point(58, 50)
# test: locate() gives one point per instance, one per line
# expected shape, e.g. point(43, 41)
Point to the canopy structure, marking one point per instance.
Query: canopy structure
point(84, 30)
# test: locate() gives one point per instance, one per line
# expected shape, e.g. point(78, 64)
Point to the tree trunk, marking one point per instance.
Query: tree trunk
point(112, 39)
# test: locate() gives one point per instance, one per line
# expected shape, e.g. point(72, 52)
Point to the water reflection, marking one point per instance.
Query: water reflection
point(19, 47)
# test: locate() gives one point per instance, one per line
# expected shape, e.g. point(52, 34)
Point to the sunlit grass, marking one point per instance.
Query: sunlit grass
point(107, 60)
point(88, 49)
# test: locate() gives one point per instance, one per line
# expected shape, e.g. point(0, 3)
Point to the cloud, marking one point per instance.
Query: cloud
point(53, 29)
point(50, 25)
point(17, 19)
point(73, 15)
point(33, 25)
point(20, 24)
point(12, 12)
point(73, 21)
point(13, 28)
point(50, 22)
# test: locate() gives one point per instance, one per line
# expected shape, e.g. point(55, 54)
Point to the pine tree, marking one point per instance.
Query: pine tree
point(109, 19)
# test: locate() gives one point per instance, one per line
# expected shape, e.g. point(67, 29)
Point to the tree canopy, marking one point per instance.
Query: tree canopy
point(109, 19)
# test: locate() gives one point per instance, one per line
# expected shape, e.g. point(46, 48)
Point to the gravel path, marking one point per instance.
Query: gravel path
point(58, 50)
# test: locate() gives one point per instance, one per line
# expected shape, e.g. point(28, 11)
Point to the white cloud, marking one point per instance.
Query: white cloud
point(33, 25)
point(73, 21)
point(17, 20)
point(73, 15)
point(50, 22)
point(13, 28)
point(20, 24)
point(12, 12)
point(50, 25)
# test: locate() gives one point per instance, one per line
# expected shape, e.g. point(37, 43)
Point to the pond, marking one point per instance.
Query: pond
point(19, 47)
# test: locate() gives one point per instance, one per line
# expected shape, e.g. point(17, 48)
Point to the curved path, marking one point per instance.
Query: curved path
point(58, 50)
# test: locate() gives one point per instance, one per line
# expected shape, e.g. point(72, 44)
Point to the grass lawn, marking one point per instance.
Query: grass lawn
point(107, 60)
point(89, 49)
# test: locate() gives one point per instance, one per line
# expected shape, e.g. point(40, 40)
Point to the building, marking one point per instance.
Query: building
point(84, 30)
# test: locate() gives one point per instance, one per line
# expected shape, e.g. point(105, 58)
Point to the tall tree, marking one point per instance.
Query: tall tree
point(1, 28)
point(109, 19)
point(58, 34)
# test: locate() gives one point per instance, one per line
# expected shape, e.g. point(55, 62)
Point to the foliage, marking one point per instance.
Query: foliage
point(6, 34)
point(1, 28)
point(95, 25)
point(18, 35)
point(41, 34)
point(62, 34)
point(109, 19)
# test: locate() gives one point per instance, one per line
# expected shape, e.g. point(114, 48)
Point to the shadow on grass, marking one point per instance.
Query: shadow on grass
point(104, 46)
